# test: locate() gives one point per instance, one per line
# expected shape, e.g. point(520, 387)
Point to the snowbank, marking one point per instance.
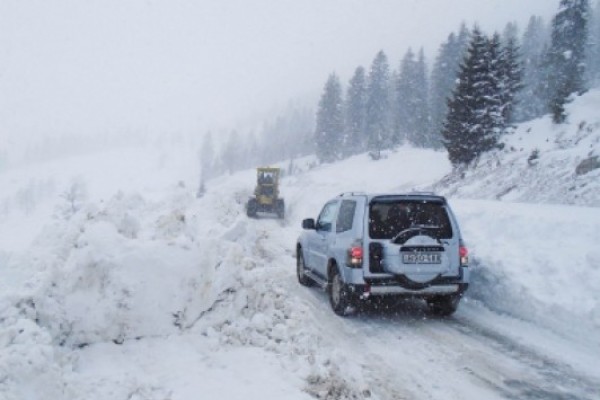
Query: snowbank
point(541, 162)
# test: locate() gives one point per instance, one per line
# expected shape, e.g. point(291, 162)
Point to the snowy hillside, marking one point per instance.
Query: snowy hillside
point(132, 288)
point(541, 162)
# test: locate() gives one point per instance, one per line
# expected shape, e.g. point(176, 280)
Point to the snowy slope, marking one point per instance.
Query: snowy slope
point(146, 292)
point(512, 174)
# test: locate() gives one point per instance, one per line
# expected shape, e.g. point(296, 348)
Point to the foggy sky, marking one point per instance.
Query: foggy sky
point(94, 66)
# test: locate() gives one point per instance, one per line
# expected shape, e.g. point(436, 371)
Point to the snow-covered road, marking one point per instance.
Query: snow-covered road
point(478, 353)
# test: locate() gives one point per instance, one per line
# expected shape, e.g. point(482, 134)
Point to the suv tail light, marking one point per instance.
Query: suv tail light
point(355, 256)
point(464, 255)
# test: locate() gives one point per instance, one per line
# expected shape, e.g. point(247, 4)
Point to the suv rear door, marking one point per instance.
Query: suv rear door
point(414, 236)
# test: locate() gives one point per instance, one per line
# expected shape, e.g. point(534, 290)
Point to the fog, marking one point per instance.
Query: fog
point(137, 66)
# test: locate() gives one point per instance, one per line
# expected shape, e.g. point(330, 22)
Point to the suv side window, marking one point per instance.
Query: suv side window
point(327, 216)
point(345, 217)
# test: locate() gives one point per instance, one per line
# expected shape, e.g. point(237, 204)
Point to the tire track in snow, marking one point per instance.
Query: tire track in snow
point(555, 379)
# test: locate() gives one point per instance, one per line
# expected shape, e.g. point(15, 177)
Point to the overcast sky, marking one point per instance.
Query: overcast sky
point(92, 66)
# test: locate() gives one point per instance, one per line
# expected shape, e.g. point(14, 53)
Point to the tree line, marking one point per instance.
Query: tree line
point(479, 86)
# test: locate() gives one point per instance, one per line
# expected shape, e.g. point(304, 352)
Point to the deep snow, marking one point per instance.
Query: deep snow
point(142, 291)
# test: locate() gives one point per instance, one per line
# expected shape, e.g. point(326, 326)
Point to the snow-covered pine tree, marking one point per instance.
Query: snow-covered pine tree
point(566, 56)
point(291, 133)
point(355, 138)
point(423, 136)
point(511, 31)
point(498, 96)
point(330, 121)
point(531, 101)
point(251, 151)
point(443, 80)
point(232, 153)
point(411, 114)
point(201, 187)
point(474, 119)
point(207, 156)
point(378, 124)
point(511, 72)
point(403, 96)
point(593, 56)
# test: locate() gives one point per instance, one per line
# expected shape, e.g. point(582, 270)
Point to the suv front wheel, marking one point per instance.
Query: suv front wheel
point(339, 296)
point(301, 269)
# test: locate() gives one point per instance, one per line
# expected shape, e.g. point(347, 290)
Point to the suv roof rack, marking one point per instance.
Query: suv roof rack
point(421, 193)
point(350, 194)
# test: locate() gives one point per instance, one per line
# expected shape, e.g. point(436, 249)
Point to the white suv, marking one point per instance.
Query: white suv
point(385, 245)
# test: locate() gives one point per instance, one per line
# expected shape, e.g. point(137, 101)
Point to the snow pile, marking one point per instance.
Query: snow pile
point(538, 262)
point(126, 270)
point(540, 162)
point(131, 268)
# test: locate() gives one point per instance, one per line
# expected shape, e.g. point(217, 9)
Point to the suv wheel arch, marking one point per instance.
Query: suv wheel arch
point(303, 279)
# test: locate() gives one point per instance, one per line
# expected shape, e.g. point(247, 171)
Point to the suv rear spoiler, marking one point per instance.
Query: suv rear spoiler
point(433, 198)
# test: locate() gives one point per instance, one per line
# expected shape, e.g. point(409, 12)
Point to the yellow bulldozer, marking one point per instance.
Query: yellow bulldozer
point(266, 195)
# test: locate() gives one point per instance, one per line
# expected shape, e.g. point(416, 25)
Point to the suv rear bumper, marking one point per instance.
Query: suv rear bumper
point(401, 285)
point(430, 290)
point(397, 290)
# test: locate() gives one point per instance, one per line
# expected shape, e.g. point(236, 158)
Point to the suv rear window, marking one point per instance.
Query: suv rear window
point(388, 218)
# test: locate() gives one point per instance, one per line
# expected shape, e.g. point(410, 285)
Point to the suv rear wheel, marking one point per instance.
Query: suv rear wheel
point(443, 306)
point(339, 296)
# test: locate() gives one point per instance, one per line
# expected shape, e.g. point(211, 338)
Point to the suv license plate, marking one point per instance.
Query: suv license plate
point(421, 258)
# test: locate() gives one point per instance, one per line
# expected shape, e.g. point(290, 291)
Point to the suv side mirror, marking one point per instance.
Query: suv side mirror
point(308, 223)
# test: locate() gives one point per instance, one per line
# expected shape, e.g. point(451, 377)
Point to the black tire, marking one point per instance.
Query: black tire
point(300, 270)
point(444, 306)
point(339, 295)
point(388, 303)
point(251, 208)
point(280, 208)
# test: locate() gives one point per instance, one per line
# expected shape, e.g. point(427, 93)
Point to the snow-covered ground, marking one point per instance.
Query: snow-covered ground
point(540, 162)
point(116, 282)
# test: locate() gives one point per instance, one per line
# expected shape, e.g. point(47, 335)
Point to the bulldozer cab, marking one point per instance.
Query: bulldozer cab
point(267, 176)
point(267, 188)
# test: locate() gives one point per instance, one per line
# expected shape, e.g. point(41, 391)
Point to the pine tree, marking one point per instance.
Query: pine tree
point(330, 121)
point(423, 136)
point(566, 56)
point(201, 187)
point(207, 152)
point(531, 101)
point(511, 78)
point(404, 96)
point(497, 98)
point(232, 153)
point(291, 133)
point(378, 124)
point(355, 139)
point(443, 80)
point(474, 120)
point(412, 114)
point(593, 55)
point(511, 32)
